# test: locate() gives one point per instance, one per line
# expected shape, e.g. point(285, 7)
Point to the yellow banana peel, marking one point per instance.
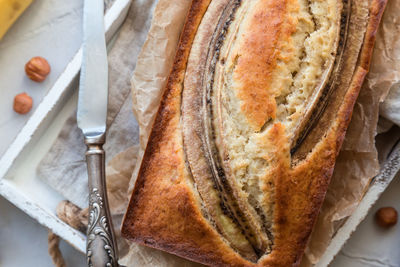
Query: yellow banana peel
point(10, 10)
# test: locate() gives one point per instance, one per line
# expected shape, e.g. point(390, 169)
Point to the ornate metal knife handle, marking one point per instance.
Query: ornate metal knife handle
point(101, 248)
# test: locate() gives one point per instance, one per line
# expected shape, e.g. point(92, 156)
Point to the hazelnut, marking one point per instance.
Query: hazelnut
point(22, 103)
point(386, 217)
point(37, 69)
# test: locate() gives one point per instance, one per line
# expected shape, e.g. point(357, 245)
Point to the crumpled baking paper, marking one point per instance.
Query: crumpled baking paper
point(356, 164)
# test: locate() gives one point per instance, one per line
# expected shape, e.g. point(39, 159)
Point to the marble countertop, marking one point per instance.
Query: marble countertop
point(52, 29)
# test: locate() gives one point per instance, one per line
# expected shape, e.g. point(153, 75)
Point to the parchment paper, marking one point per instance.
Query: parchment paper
point(356, 165)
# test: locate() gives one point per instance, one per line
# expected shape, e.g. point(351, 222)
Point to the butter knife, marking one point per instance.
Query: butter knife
point(101, 249)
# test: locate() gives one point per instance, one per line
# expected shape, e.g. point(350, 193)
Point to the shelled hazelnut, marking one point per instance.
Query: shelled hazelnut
point(386, 217)
point(37, 69)
point(22, 103)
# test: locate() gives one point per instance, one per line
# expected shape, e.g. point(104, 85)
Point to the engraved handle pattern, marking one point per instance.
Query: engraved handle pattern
point(101, 249)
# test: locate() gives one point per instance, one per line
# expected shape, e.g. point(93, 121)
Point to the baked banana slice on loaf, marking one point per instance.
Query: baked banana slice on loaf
point(252, 119)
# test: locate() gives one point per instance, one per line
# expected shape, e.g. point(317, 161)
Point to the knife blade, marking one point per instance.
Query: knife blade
point(93, 91)
point(101, 248)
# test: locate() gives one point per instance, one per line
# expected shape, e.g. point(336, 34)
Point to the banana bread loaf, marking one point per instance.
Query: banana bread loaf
point(252, 119)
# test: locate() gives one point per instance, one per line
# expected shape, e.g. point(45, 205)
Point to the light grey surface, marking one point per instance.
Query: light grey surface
point(23, 241)
point(371, 245)
point(48, 28)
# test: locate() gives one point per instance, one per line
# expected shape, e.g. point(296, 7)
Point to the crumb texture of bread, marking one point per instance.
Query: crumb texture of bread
point(273, 61)
point(252, 119)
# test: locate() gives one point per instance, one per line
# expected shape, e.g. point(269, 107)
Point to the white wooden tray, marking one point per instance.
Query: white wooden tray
point(21, 186)
point(18, 181)
point(389, 169)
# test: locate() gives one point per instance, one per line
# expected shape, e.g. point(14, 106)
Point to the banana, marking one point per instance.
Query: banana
point(10, 10)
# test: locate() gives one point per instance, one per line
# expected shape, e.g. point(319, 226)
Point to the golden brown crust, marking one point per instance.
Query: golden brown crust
point(376, 13)
point(163, 211)
point(306, 184)
point(258, 56)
